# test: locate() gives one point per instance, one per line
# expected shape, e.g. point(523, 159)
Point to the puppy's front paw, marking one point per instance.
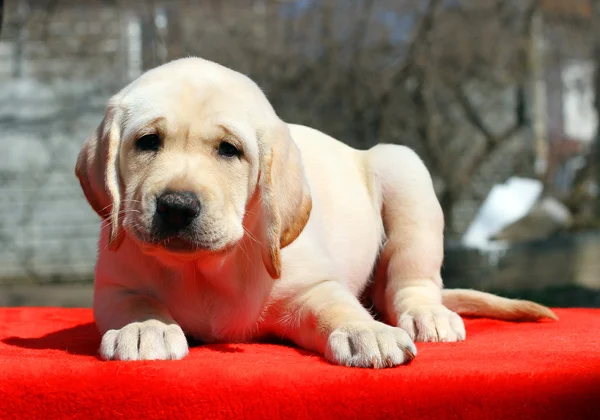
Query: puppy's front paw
point(370, 345)
point(148, 340)
point(432, 323)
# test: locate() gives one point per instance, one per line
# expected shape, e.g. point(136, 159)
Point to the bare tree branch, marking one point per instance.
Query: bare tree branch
point(358, 110)
point(1, 15)
point(492, 141)
point(472, 115)
point(428, 135)
point(423, 28)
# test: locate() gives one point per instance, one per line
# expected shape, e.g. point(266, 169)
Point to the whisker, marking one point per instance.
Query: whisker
point(125, 211)
point(122, 201)
point(252, 237)
point(244, 250)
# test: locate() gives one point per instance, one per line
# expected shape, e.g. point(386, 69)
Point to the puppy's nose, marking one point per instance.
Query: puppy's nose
point(177, 209)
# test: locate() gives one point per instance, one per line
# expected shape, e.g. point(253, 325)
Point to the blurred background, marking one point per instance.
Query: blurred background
point(497, 97)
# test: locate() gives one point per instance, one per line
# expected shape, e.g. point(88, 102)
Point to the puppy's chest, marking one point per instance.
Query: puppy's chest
point(218, 309)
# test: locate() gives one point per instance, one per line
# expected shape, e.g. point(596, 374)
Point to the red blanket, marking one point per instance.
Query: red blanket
point(48, 370)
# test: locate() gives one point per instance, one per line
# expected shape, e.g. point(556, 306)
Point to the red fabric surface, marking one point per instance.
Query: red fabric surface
point(49, 370)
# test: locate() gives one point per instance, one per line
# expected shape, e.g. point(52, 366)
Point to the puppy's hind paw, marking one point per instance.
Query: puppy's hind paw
point(432, 323)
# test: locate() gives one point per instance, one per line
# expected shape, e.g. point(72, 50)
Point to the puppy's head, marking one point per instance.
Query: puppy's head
point(189, 159)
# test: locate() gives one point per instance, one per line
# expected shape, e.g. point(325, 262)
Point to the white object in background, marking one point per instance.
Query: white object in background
point(556, 211)
point(580, 117)
point(505, 204)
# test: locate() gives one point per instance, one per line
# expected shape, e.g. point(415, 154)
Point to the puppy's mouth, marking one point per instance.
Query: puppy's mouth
point(178, 245)
point(182, 248)
point(173, 243)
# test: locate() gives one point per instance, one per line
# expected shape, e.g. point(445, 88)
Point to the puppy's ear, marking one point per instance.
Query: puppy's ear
point(285, 195)
point(97, 170)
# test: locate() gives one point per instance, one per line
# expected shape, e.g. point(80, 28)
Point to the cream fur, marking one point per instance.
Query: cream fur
point(290, 233)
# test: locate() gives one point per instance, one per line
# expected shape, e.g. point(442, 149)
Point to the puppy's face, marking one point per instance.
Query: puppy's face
point(185, 154)
point(188, 165)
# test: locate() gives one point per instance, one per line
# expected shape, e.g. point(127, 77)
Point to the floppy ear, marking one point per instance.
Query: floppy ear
point(285, 195)
point(97, 170)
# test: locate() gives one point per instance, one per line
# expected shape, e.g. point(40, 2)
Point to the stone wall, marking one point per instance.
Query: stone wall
point(56, 73)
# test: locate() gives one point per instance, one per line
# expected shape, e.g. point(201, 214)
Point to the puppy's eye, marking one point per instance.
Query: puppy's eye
point(148, 143)
point(228, 150)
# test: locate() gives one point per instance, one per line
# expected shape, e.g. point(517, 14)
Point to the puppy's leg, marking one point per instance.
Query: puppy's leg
point(136, 327)
point(327, 318)
point(408, 283)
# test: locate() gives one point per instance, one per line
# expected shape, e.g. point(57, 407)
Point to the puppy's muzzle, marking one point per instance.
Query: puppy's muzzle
point(176, 210)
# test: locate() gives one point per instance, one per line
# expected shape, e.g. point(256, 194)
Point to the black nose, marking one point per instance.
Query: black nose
point(177, 209)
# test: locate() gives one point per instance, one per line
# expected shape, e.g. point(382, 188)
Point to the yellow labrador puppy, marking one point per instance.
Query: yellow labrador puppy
point(226, 224)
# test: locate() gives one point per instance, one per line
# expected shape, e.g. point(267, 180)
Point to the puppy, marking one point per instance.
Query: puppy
point(223, 223)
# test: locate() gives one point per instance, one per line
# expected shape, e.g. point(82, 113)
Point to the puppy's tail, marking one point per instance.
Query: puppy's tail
point(479, 304)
